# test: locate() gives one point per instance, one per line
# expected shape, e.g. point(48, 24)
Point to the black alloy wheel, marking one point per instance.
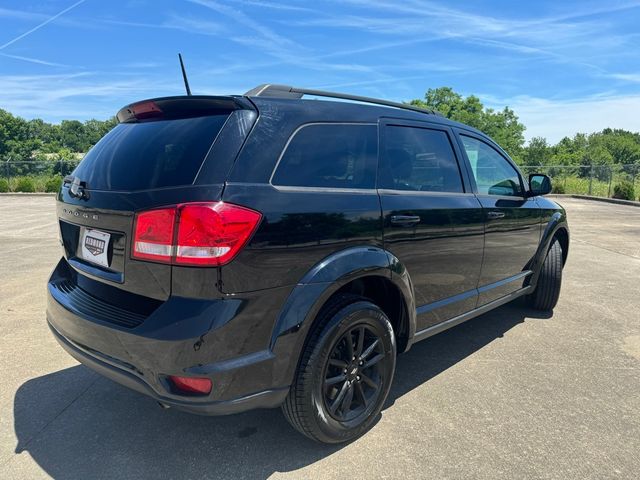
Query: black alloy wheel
point(354, 377)
point(345, 371)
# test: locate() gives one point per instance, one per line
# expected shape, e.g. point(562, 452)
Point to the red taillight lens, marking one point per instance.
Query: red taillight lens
point(192, 384)
point(213, 233)
point(208, 234)
point(153, 237)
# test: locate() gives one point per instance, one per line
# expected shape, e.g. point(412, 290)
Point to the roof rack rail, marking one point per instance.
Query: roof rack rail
point(285, 91)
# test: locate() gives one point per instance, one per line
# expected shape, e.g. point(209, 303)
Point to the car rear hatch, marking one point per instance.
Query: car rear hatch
point(164, 152)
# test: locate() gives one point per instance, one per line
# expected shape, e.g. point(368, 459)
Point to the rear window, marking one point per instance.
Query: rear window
point(142, 156)
point(331, 156)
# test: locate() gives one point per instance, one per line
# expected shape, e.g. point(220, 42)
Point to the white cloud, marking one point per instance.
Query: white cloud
point(361, 83)
point(273, 41)
point(22, 15)
point(75, 95)
point(40, 25)
point(565, 38)
point(272, 5)
point(33, 60)
point(627, 77)
point(192, 25)
point(555, 119)
point(258, 35)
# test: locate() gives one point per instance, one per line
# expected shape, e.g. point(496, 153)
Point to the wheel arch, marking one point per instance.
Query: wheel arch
point(366, 271)
point(556, 228)
point(562, 234)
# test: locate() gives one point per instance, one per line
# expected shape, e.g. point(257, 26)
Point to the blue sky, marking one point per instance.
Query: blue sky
point(564, 67)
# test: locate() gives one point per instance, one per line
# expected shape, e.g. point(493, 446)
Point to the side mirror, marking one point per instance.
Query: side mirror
point(539, 184)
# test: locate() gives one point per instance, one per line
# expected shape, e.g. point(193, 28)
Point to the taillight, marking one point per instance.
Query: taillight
point(199, 234)
point(153, 237)
point(212, 233)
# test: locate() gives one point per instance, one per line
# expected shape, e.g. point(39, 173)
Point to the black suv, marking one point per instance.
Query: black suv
point(229, 253)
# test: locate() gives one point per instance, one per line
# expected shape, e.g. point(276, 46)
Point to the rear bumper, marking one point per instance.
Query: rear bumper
point(224, 339)
point(135, 381)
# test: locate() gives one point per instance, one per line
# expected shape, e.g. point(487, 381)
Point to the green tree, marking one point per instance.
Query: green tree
point(537, 152)
point(569, 151)
point(503, 126)
point(13, 131)
point(48, 134)
point(96, 129)
point(623, 146)
point(73, 136)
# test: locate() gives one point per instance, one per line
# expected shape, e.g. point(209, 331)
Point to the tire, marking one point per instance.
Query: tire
point(545, 297)
point(332, 400)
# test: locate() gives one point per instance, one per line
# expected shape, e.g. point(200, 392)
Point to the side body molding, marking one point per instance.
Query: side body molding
point(323, 280)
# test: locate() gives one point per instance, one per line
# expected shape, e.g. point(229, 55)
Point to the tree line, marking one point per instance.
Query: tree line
point(24, 140)
point(609, 147)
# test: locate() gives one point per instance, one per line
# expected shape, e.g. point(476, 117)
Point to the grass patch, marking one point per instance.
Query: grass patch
point(24, 184)
point(31, 183)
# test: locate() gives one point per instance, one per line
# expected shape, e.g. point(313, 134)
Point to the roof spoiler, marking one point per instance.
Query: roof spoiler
point(168, 108)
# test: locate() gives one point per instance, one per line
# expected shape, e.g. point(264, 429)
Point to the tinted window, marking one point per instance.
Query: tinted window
point(419, 159)
point(330, 155)
point(140, 156)
point(493, 173)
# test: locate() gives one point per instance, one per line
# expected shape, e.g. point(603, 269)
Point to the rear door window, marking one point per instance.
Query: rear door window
point(147, 155)
point(329, 156)
point(419, 159)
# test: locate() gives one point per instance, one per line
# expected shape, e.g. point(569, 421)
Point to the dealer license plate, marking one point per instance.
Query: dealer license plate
point(95, 246)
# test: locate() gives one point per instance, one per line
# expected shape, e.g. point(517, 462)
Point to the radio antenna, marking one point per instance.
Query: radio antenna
point(184, 75)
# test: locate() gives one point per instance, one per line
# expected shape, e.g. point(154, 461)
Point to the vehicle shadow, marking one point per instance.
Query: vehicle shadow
point(77, 425)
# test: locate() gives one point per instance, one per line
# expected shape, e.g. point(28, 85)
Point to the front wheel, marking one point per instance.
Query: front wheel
point(345, 372)
point(545, 296)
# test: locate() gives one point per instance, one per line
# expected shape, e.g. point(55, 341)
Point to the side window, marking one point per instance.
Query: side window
point(331, 156)
point(418, 159)
point(493, 173)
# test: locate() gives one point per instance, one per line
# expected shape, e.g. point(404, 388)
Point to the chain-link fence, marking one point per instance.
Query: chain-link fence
point(11, 169)
point(34, 175)
point(597, 180)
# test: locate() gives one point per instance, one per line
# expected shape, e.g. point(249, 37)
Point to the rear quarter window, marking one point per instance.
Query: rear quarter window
point(329, 156)
point(148, 155)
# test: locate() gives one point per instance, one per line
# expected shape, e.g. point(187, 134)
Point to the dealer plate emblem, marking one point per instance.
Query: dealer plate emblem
point(94, 245)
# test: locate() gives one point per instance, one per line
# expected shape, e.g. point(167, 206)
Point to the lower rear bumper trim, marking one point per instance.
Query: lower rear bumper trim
point(130, 379)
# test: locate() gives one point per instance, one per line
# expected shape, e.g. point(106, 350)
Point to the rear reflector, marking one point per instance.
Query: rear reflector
point(198, 234)
point(192, 384)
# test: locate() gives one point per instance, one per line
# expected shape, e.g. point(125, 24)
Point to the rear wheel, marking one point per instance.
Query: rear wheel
point(345, 372)
point(545, 297)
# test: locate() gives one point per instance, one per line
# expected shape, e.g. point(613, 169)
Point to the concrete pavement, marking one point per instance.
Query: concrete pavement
point(511, 394)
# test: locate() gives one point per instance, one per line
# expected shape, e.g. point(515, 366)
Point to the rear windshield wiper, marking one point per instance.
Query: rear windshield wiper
point(78, 188)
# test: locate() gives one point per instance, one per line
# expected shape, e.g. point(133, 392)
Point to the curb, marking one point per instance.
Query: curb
point(617, 201)
point(27, 194)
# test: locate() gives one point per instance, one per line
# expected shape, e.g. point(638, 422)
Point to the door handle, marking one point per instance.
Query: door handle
point(494, 215)
point(405, 220)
